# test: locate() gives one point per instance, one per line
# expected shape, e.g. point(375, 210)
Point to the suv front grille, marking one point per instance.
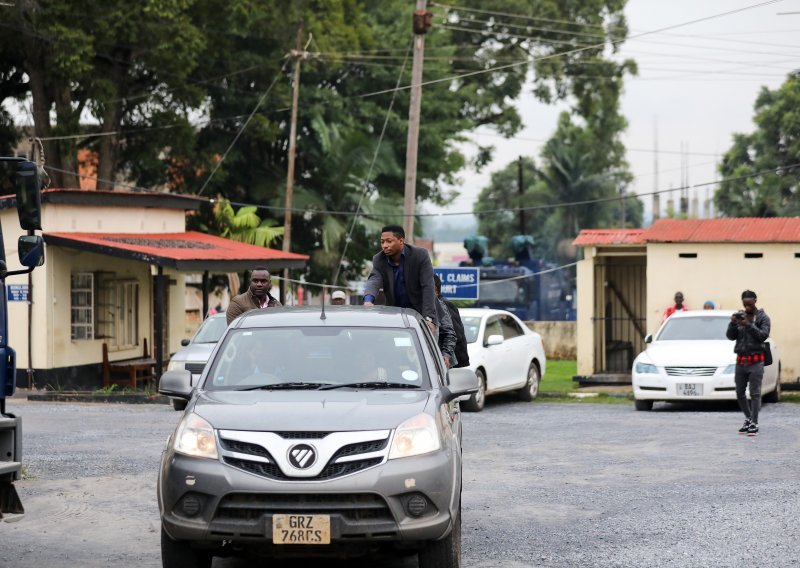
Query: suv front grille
point(352, 507)
point(344, 461)
point(302, 435)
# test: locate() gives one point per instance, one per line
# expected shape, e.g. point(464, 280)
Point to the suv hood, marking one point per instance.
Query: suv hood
point(332, 411)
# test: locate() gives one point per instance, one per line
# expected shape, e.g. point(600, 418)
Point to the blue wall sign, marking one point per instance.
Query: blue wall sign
point(17, 292)
point(459, 283)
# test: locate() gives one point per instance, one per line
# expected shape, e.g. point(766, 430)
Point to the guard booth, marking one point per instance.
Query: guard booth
point(612, 304)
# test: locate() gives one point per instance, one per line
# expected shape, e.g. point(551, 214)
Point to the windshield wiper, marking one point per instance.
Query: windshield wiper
point(287, 386)
point(371, 385)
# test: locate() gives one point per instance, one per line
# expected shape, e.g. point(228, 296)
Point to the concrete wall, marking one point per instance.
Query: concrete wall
point(558, 338)
point(720, 273)
point(99, 219)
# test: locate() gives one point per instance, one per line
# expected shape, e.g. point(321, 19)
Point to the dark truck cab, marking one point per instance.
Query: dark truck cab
point(23, 176)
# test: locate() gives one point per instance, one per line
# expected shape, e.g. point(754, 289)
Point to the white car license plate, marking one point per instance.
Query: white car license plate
point(690, 389)
point(301, 529)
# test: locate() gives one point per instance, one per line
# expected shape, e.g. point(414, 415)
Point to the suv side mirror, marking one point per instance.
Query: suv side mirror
point(29, 199)
point(176, 383)
point(648, 338)
point(31, 250)
point(185, 342)
point(461, 381)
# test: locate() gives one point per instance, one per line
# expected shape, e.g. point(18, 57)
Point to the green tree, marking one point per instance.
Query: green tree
point(773, 148)
point(243, 224)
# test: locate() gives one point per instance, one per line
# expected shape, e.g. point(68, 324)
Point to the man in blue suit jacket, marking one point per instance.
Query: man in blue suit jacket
point(406, 275)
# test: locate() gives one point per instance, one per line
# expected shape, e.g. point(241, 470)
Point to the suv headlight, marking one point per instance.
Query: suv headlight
point(646, 369)
point(176, 366)
point(195, 437)
point(416, 436)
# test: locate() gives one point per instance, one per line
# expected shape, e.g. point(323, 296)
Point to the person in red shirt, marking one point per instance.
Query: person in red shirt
point(678, 306)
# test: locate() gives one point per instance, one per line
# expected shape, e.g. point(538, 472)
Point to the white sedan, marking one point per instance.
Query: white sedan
point(504, 354)
point(690, 358)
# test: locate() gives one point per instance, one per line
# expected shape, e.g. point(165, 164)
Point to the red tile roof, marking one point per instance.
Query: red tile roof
point(729, 230)
point(186, 251)
point(733, 230)
point(599, 237)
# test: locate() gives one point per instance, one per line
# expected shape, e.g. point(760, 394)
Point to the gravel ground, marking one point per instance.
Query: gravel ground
point(546, 484)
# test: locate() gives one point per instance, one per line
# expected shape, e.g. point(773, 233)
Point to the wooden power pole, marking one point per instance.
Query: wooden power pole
point(297, 54)
point(421, 23)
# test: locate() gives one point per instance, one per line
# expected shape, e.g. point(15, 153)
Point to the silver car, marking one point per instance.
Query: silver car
point(332, 433)
point(195, 352)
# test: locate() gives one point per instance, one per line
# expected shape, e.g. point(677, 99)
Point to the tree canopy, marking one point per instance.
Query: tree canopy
point(160, 89)
point(766, 160)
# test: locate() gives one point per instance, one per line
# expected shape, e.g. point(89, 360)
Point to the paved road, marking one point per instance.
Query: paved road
point(546, 484)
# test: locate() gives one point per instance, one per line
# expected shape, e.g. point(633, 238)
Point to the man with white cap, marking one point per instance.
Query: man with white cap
point(338, 298)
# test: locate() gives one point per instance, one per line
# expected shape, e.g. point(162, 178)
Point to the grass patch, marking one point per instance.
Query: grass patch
point(558, 377)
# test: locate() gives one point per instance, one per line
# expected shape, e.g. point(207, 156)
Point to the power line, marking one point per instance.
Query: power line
point(781, 170)
point(246, 122)
point(368, 177)
point(579, 49)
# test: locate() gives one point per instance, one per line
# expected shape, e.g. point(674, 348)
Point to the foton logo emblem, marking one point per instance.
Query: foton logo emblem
point(302, 456)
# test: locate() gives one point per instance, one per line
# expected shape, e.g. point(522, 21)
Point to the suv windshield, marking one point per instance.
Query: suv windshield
point(681, 329)
point(211, 330)
point(303, 358)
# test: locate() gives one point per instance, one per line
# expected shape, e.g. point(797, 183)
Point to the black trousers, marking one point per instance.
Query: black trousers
point(749, 375)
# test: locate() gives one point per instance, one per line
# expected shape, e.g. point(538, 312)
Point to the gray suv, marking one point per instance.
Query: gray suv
point(310, 432)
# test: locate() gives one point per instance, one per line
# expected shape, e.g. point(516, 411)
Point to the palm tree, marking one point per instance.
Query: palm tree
point(244, 225)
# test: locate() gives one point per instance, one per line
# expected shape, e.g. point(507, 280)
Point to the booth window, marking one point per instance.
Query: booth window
point(82, 302)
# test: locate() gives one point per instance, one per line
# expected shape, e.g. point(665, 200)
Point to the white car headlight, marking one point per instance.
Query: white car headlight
point(416, 436)
point(729, 370)
point(176, 366)
point(195, 437)
point(646, 369)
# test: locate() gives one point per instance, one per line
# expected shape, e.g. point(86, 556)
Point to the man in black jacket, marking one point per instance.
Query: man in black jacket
point(405, 274)
point(750, 329)
point(462, 355)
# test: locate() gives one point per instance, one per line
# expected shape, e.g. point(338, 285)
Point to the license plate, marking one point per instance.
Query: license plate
point(690, 389)
point(301, 529)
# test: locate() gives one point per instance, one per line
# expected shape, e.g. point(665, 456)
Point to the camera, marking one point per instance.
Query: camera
point(739, 315)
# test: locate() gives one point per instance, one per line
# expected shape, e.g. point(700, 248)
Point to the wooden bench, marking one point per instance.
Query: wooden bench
point(133, 370)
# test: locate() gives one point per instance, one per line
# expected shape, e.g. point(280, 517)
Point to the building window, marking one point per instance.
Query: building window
point(105, 307)
point(754, 255)
point(687, 255)
point(82, 303)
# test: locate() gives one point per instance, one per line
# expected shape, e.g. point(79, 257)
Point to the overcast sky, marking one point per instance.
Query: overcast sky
point(698, 83)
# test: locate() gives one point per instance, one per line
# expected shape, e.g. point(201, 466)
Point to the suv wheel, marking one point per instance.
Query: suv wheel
point(445, 553)
point(180, 554)
point(476, 401)
point(643, 404)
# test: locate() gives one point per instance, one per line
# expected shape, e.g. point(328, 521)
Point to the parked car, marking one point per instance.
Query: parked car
point(504, 354)
point(691, 359)
point(330, 433)
point(195, 352)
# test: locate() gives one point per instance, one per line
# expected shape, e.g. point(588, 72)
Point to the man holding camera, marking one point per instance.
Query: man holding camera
point(749, 329)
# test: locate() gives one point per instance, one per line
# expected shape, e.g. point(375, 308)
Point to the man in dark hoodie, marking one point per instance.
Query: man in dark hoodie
point(462, 355)
point(749, 329)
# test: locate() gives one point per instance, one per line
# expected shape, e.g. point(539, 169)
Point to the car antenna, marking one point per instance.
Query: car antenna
point(324, 289)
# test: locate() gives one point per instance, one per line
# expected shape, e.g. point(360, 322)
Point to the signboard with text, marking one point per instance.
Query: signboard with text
point(17, 292)
point(459, 283)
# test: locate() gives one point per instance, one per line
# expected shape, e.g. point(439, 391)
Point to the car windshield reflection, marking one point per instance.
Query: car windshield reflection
point(694, 328)
point(211, 330)
point(310, 358)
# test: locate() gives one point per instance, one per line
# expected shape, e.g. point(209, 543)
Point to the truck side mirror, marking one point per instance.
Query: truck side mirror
point(29, 200)
point(31, 250)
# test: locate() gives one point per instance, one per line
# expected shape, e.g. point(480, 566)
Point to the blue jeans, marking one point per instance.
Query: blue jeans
point(752, 375)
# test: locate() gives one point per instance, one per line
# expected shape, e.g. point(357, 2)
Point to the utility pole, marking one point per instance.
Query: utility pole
point(521, 191)
point(297, 55)
point(421, 23)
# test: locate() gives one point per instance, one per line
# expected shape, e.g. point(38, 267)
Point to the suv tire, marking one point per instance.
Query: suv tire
point(444, 553)
point(180, 554)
